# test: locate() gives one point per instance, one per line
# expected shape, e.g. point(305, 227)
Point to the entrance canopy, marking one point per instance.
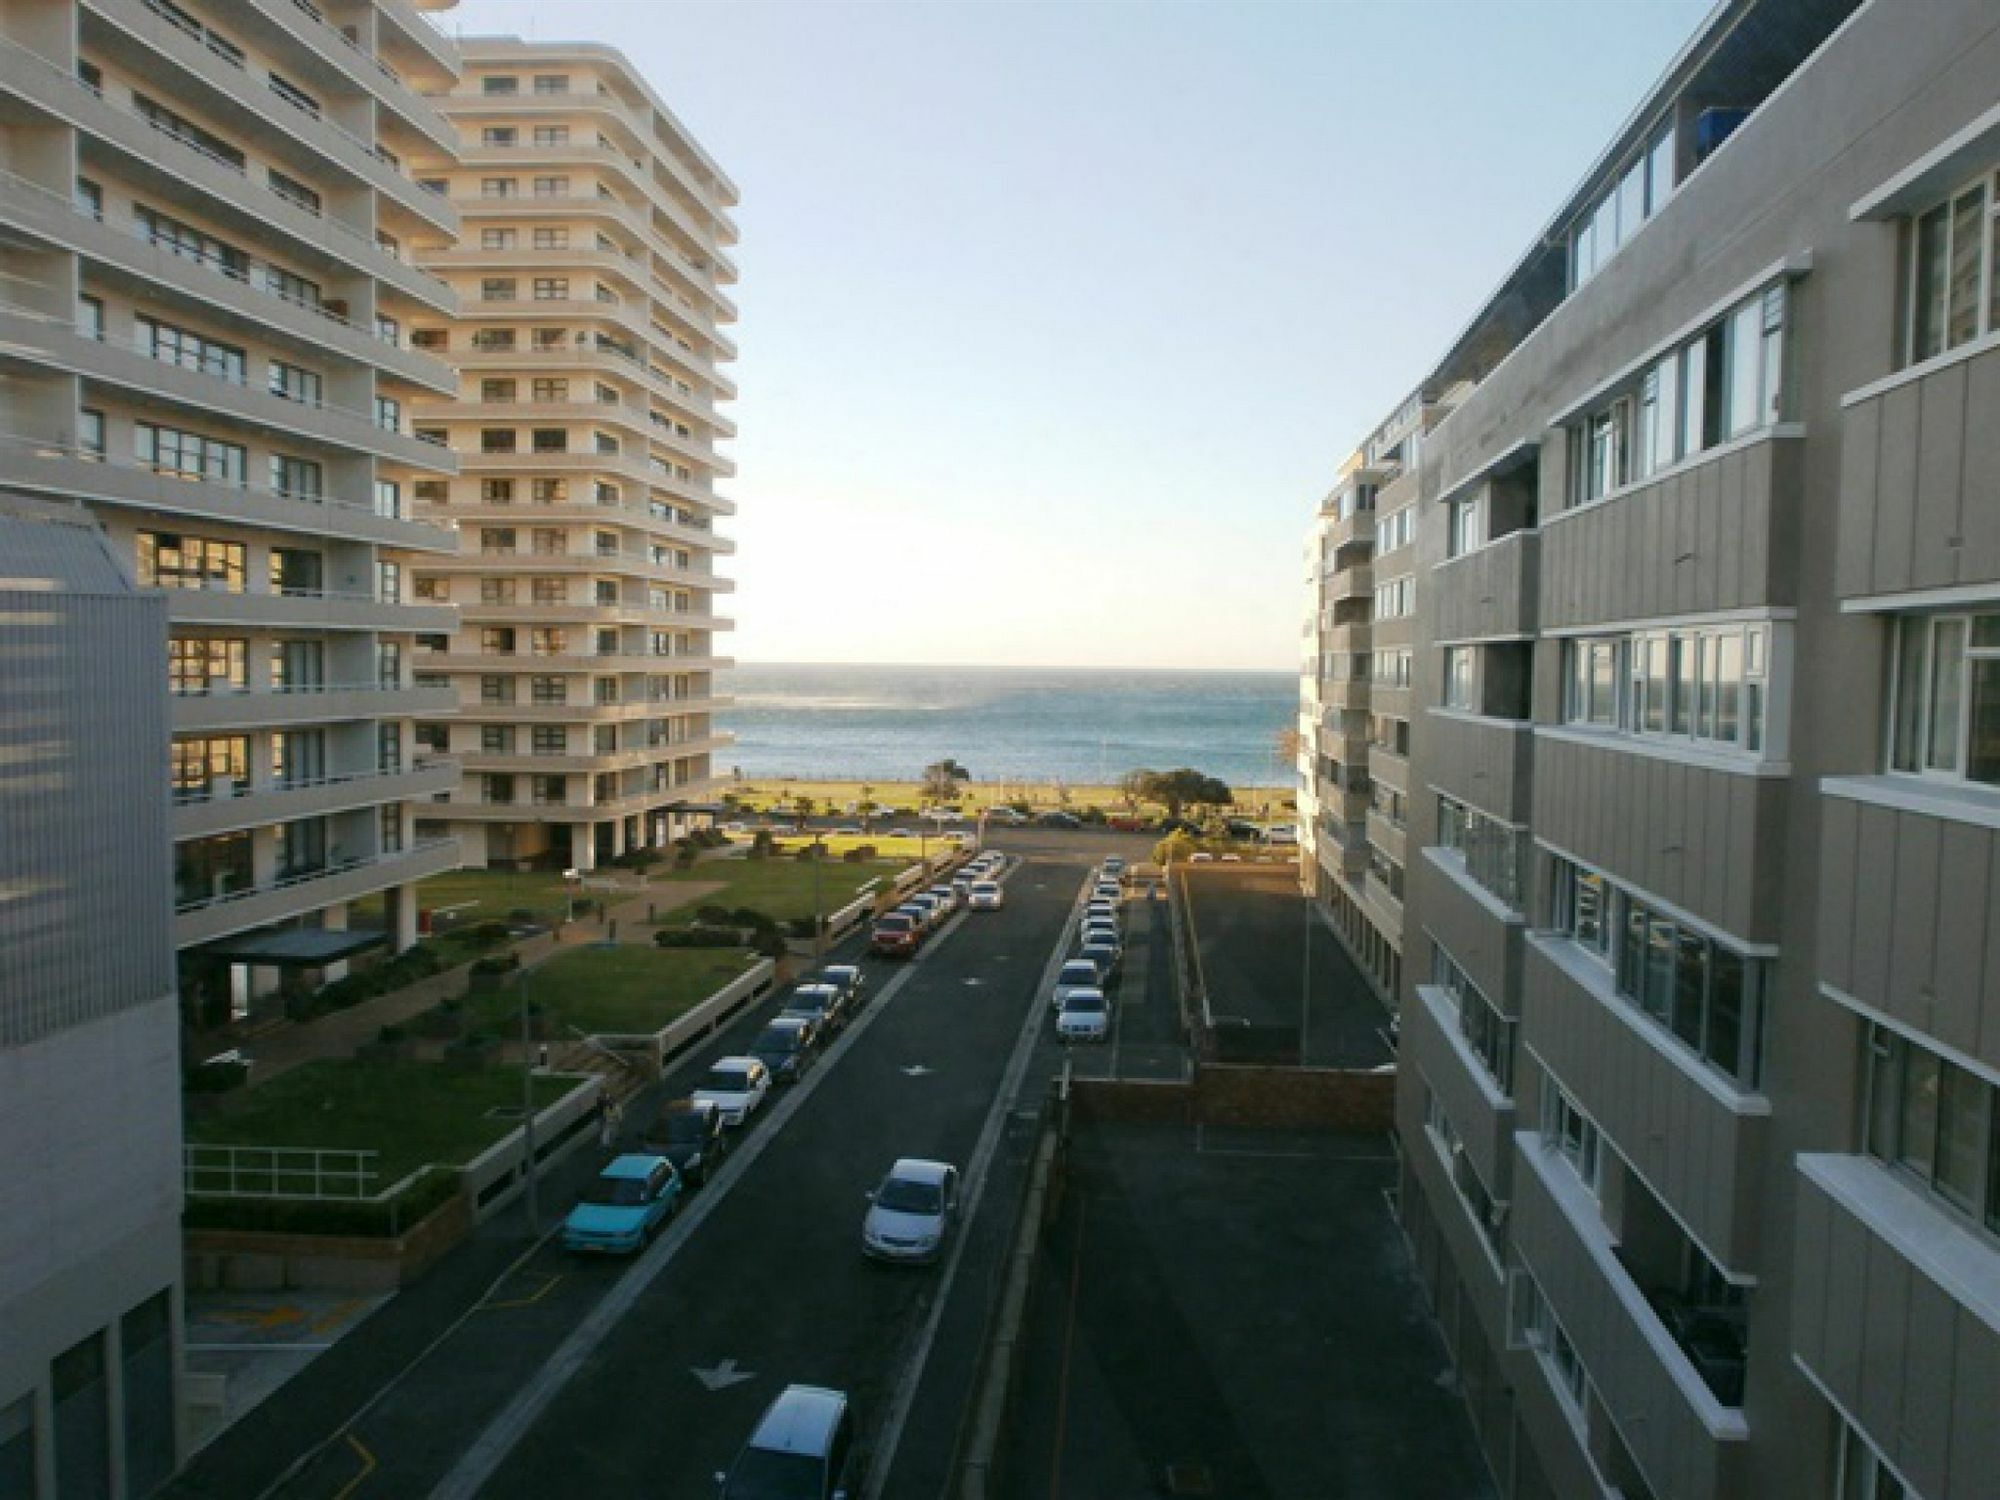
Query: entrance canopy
point(292, 947)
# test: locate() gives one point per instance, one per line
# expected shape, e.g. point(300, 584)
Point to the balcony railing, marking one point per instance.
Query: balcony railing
point(231, 789)
point(333, 866)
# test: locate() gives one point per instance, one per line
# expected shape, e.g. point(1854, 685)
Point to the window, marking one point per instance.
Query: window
point(90, 317)
point(1935, 1120)
point(1496, 854)
point(499, 187)
point(1953, 292)
point(90, 433)
point(389, 583)
point(1487, 1032)
point(493, 340)
point(1458, 690)
point(293, 95)
point(1464, 528)
point(389, 499)
point(551, 739)
point(1569, 1131)
point(1638, 192)
point(551, 440)
point(551, 288)
point(206, 767)
point(496, 541)
point(388, 414)
point(1542, 1333)
point(496, 440)
point(549, 542)
point(497, 239)
point(499, 84)
point(496, 391)
point(191, 351)
point(1863, 1473)
point(551, 83)
point(549, 491)
point(1704, 992)
point(89, 198)
point(548, 641)
point(550, 791)
point(496, 289)
point(1945, 719)
point(552, 239)
point(1705, 684)
point(551, 591)
point(391, 818)
point(170, 561)
point(496, 739)
point(497, 640)
point(551, 187)
point(550, 389)
point(494, 689)
point(548, 690)
point(496, 492)
point(1451, 1148)
point(433, 590)
point(552, 135)
point(205, 665)
point(496, 591)
point(296, 478)
point(184, 130)
point(292, 190)
point(1590, 681)
point(294, 383)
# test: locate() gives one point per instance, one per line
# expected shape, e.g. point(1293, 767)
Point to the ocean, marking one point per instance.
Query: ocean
point(1082, 725)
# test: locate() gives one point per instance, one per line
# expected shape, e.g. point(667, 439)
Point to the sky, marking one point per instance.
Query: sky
point(1057, 319)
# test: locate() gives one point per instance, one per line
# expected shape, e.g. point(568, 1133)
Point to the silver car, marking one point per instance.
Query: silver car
point(910, 1214)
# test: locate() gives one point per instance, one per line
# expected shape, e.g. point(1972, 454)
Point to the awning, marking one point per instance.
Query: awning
point(292, 947)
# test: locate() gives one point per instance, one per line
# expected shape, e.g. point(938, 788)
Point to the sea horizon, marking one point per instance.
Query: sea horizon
point(885, 721)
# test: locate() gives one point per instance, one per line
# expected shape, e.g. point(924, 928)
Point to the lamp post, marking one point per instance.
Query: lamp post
point(819, 921)
point(528, 1111)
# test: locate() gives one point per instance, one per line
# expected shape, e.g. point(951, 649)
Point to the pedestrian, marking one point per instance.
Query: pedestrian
point(617, 1114)
point(603, 1121)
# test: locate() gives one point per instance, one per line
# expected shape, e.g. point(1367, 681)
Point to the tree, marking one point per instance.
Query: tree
point(803, 807)
point(1183, 788)
point(1174, 848)
point(1132, 790)
point(866, 806)
point(941, 779)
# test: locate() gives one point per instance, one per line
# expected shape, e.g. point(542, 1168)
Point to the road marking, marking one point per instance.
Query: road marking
point(971, 982)
point(482, 1460)
point(722, 1376)
point(916, 1070)
point(548, 1282)
point(367, 1467)
point(334, 1316)
point(249, 1348)
point(975, 1188)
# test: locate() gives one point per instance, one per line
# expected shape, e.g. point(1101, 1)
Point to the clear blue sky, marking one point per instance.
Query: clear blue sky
point(1057, 318)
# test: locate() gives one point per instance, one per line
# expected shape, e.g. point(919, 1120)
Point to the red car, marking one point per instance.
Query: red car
point(895, 936)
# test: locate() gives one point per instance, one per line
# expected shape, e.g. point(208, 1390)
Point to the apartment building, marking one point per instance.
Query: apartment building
point(207, 239)
point(1354, 727)
point(1701, 1027)
point(589, 348)
point(90, 1120)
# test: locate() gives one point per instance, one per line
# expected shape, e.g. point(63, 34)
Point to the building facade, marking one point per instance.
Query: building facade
point(90, 1118)
point(1701, 1036)
point(207, 282)
point(588, 344)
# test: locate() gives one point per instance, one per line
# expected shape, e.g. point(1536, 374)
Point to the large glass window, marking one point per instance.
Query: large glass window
point(1936, 1120)
point(1945, 718)
point(168, 560)
point(1953, 291)
point(1487, 1031)
point(189, 455)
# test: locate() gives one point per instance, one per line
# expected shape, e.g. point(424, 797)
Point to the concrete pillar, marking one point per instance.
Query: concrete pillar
point(582, 847)
point(617, 837)
point(334, 919)
point(400, 903)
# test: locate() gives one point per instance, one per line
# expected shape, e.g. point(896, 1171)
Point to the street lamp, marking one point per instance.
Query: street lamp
point(819, 922)
point(528, 1109)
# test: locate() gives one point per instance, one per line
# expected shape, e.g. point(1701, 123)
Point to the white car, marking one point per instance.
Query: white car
point(986, 896)
point(1075, 974)
point(1100, 932)
point(1108, 910)
point(1085, 1017)
point(1114, 867)
point(910, 1214)
point(735, 1086)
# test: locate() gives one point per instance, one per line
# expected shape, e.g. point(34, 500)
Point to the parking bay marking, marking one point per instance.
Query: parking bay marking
point(916, 1070)
point(722, 1375)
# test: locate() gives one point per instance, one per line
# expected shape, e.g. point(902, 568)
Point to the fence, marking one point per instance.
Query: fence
point(300, 1173)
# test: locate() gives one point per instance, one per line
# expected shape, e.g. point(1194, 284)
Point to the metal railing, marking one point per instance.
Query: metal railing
point(303, 877)
point(231, 790)
point(308, 1173)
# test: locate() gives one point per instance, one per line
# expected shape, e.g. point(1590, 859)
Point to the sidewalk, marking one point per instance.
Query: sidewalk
point(292, 1044)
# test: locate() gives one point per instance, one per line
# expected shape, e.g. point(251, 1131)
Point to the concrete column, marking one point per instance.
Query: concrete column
point(400, 902)
point(334, 919)
point(582, 846)
point(617, 837)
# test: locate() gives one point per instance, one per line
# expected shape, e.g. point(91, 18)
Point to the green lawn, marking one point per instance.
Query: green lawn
point(781, 888)
point(626, 989)
point(411, 1112)
point(491, 895)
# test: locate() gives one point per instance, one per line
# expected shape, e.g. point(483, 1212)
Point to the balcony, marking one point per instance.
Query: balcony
point(607, 465)
point(622, 564)
point(306, 25)
point(237, 911)
point(528, 359)
point(1697, 1141)
point(1488, 594)
point(1486, 762)
point(423, 35)
point(241, 301)
point(587, 614)
point(150, 41)
point(569, 661)
point(1688, 1444)
point(1389, 837)
point(1896, 1317)
point(586, 713)
point(311, 609)
point(1706, 839)
point(229, 808)
point(1482, 934)
point(56, 469)
point(1917, 478)
point(1356, 582)
point(527, 155)
point(39, 341)
point(1481, 1113)
point(1904, 878)
point(282, 708)
point(1716, 532)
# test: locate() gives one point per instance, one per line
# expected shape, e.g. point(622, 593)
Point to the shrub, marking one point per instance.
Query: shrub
point(749, 916)
point(698, 937)
point(216, 1077)
point(712, 915)
point(487, 935)
point(523, 914)
point(1093, 815)
point(799, 927)
point(760, 845)
point(497, 963)
point(390, 1035)
point(685, 855)
point(770, 944)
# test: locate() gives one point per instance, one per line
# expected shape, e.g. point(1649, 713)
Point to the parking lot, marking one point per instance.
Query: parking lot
point(1273, 969)
point(1232, 1314)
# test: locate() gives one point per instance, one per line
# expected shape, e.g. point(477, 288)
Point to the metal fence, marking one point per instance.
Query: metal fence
point(295, 1172)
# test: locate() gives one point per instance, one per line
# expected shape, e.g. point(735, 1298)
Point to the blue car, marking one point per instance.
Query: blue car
point(623, 1208)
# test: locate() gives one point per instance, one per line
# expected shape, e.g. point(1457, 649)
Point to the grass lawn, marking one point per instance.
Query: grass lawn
point(411, 1112)
point(623, 989)
point(490, 895)
point(831, 798)
point(781, 888)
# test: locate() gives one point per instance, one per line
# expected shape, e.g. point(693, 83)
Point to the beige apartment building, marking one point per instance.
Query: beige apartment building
point(589, 346)
point(208, 229)
point(1355, 694)
point(1700, 1018)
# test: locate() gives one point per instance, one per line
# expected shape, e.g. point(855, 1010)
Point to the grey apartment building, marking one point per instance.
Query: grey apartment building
point(1700, 1001)
point(90, 1108)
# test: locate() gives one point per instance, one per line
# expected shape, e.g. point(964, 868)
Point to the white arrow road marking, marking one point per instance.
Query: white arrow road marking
point(723, 1376)
point(975, 981)
point(915, 1070)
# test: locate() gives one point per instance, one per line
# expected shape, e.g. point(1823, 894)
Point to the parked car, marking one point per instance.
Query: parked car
point(1010, 816)
point(1114, 867)
point(901, 833)
point(848, 979)
point(691, 1135)
point(1059, 820)
point(1101, 907)
point(1085, 1017)
point(847, 830)
point(895, 934)
point(910, 1214)
point(1281, 833)
point(786, 1047)
point(948, 894)
point(1107, 890)
point(1075, 974)
point(986, 895)
point(1100, 931)
point(735, 1086)
point(1200, 857)
point(822, 1004)
point(624, 1206)
point(802, 1448)
point(1105, 955)
point(736, 827)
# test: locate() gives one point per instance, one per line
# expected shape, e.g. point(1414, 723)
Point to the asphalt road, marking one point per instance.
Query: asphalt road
point(562, 1375)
